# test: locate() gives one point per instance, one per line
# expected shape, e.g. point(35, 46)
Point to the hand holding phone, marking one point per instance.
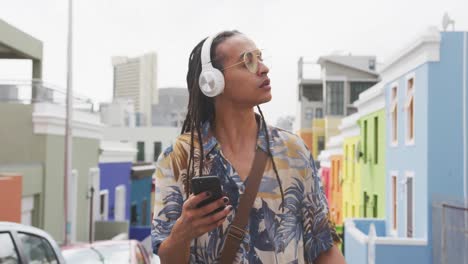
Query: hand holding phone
point(208, 184)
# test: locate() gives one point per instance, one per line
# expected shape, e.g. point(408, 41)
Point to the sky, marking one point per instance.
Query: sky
point(287, 29)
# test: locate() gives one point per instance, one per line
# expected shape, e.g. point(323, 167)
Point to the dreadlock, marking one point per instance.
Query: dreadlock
point(201, 109)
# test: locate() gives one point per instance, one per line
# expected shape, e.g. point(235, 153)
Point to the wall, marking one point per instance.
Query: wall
point(149, 135)
point(10, 189)
point(351, 179)
point(404, 158)
point(372, 172)
point(113, 175)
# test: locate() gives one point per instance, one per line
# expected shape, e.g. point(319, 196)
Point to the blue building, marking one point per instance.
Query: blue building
point(426, 155)
point(140, 201)
point(115, 165)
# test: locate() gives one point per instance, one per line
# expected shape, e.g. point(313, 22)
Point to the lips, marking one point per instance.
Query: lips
point(265, 83)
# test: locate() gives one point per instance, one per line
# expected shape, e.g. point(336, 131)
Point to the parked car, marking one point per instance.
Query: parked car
point(109, 251)
point(26, 244)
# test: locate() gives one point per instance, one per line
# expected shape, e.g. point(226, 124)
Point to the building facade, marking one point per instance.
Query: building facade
point(135, 79)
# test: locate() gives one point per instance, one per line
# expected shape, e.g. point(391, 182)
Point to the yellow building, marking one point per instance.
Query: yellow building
point(331, 124)
point(351, 187)
point(318, 136)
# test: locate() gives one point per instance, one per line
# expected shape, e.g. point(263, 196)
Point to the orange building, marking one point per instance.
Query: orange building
point(335, 151)
point(11, 191)
point(306, 135)
point(335, 186)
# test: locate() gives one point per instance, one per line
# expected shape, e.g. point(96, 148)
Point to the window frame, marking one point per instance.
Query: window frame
point(409, 175)
point(408, 98)
point(15, 242)
point(104, 216)
point(24, 258)
point(394, 203)
point(393, 109)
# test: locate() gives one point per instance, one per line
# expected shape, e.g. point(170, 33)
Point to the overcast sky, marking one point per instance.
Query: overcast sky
point(288, 29)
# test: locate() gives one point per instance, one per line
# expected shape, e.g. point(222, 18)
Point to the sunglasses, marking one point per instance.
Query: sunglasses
point(250, 59)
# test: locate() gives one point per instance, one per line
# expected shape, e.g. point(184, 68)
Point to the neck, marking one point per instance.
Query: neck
point(236, 128)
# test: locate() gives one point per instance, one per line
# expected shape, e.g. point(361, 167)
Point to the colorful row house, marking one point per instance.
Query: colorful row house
point(112, 189)
point(426, 93)
point(371, 151)
point(351, 186)
point(324, 171)
point(335, 147)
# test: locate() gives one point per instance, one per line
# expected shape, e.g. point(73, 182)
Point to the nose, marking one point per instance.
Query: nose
point(262, 69)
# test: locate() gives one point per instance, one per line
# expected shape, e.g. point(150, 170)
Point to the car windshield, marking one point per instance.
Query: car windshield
point(81, 255)
point(116, 253)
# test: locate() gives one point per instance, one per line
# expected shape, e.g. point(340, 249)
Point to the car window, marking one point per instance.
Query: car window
point(37, 249)
point(8, 252)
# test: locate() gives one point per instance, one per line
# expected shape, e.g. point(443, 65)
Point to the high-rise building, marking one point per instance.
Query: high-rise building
point(136, 79)
point(172, 107)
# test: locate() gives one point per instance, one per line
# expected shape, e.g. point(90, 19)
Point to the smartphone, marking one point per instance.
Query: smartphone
point(208, 184)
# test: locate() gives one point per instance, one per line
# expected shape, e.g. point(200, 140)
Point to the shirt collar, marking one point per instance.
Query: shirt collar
point(210, 142)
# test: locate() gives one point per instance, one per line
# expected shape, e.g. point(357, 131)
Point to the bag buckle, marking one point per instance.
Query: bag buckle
point(236, 232)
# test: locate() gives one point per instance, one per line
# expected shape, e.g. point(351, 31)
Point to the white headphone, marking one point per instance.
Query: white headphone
point(211, 80)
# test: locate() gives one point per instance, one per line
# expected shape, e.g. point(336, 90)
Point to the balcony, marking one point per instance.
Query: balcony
point(366, 241)
point(36, 91)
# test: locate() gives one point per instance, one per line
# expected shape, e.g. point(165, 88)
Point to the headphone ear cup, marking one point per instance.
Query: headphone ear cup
point(211, 82)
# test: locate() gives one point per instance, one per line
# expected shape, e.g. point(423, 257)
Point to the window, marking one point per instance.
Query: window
point(346, 161)
point(309, 113)
point(120, 203)
point(335, 98)
point(340, 180)
point(394, 116)
point(313, 92)
point(394, 202)
point(409, 108)
point(357, 88)
point(141, 151)
point(353, 161)
point(8, 252)
point(134, 215)
point(376, 139)
point(318, 112)
point(321, 143)
point(365, 141)
point(157, 150)
point(366, 203)
point(144, 208)
point(409, 205)
point(372, 65)
point(103, 205)
point(375, 205)
point(37, 249)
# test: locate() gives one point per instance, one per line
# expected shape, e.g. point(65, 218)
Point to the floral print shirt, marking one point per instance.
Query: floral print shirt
point(296, 234)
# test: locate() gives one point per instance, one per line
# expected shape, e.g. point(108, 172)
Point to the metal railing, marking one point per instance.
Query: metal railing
point(37, 91)
point(450, 232)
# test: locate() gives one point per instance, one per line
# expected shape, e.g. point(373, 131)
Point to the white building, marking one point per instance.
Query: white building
point(149, 141)
point(136, 79)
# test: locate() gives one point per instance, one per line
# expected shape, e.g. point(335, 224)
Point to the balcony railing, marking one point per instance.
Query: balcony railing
point(36, 91)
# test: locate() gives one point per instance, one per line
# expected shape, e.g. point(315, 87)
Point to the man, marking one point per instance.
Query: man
point(288, 222)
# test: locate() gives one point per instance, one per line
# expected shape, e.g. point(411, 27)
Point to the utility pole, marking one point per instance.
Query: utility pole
point(68, 127)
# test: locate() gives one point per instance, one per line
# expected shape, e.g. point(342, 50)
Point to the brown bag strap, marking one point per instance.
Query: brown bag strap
point(236, 231)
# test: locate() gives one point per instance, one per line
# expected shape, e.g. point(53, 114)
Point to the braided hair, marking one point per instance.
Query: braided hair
point(201, 108)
